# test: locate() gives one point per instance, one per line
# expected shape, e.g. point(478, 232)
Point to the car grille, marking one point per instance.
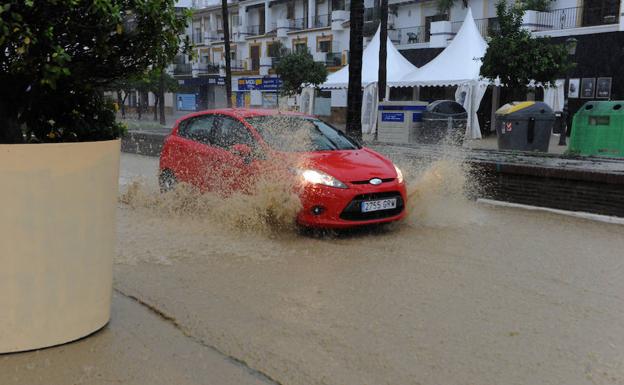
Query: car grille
point(353, 210)
point(367, 181)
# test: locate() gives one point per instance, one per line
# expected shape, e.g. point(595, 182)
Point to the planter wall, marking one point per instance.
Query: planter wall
point(57, 241)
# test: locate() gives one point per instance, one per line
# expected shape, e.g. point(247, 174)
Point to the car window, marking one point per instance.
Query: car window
point(229, 131)
point(199, 128)
point(300, 134)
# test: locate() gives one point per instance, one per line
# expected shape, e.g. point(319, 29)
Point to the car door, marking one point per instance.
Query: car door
point(235, 170)
point(195, 151)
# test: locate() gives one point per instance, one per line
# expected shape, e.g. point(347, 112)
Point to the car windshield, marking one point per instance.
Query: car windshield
point(300, 134)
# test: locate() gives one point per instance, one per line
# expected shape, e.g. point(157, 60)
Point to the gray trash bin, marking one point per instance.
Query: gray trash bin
point(444, 121)
point(524, 126)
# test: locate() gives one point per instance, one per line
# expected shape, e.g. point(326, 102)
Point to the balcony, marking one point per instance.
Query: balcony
point(321, 21)
point(205, 68)
point(182, 69)
point(255, 30)
point(409, 35)
point(575, 17)
point(487, 27)
point(333, 59)
point(299, 24)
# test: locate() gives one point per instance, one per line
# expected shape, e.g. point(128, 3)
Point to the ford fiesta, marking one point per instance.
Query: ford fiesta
point(340, 183)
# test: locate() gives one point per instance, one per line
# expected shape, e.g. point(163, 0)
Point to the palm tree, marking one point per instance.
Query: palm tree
point(226, 42)
point(354, 92)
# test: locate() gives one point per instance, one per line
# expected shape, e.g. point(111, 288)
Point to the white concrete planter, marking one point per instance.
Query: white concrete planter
point(57, 241)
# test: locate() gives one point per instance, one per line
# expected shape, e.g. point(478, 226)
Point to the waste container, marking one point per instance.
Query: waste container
point(443, 121)
point(399, 121)
point(524, 126)
point(598, 129)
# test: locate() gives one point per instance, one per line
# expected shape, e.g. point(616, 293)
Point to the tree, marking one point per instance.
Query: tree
point(517, 58)
point(58, 57)
point(444, 6)
point(297, 69)
point(157, 82)
point(354, 91)
point(228, 59)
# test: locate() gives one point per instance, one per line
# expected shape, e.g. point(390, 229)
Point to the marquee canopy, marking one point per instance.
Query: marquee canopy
point(396, 66)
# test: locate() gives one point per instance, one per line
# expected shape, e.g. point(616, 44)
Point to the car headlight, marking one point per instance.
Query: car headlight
point(319, 177)
point(399, 174)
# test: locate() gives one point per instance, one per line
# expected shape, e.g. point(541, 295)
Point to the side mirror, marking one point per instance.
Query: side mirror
point(242, 150)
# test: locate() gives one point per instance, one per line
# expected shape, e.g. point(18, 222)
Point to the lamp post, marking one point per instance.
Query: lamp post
point(571, 46)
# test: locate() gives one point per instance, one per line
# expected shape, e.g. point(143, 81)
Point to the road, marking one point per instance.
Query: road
point(459, 293)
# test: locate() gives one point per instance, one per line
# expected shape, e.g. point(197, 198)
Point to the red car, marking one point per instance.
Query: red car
point(340, 183)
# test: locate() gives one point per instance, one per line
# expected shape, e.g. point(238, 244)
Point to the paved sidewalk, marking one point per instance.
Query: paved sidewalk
point(138, 346)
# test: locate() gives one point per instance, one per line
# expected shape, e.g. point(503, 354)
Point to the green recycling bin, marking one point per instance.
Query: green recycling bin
point(598, 129)
point(524, 126)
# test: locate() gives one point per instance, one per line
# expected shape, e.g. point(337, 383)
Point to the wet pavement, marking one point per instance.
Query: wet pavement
point(459, 293)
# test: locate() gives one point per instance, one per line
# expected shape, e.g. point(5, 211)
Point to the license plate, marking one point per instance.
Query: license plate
point(382, 204)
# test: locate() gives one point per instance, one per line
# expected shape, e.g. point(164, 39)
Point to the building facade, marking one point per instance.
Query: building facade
point(261, 29)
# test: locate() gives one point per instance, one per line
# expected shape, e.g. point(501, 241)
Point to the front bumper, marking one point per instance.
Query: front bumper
point(341, 208)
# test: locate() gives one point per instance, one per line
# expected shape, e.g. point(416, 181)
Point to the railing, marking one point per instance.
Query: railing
point(371, 14)
point(411, 35)
point(575, 17)
point(238, 65)
point(333, 59)
point(182, 69)
point(321, 21)
point(298, 24)
point(207, 68)
point(255, 30)
point(485, 26)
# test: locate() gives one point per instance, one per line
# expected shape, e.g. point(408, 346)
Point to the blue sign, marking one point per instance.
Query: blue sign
point(417, 117)
point(392, 117)
point(186, 102)
point(260, 84)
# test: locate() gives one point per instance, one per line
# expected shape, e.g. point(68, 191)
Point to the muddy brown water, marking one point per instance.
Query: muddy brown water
point(458, 293)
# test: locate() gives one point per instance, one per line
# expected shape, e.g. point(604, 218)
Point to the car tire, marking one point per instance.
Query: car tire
point(167, 181)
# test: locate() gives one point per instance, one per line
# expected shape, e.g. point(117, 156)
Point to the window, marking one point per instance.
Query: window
point(198, 129)
point(300, 134)
point(301, 46)
point(324, 46)
point(290, 10)
point(229, 131)
point(273, 49)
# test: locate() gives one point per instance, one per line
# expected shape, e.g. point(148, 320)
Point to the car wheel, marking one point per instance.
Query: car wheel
point(167, 181)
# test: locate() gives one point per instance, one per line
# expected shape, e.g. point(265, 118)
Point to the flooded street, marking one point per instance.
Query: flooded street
point(459, 293)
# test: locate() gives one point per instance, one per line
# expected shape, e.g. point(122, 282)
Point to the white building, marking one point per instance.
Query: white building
point(419, 31)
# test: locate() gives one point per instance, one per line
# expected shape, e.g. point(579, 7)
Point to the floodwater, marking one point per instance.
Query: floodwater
point(220, 290)
point(459, 293)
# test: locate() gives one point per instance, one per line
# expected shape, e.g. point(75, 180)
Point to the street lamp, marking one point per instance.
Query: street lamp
point(571, 47)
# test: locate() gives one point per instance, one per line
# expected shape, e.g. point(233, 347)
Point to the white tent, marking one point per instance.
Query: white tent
point(396, 66)
point(458, 65)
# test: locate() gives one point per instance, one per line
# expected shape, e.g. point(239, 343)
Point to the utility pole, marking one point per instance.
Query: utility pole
point(354, 92)
point(226, 41)
point(383, 50)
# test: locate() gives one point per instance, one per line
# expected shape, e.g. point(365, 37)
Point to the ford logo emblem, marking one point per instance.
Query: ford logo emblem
point(375, 181)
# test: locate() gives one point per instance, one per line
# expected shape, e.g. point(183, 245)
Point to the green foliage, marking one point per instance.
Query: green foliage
point(444, 6)
point(517, 58)
point(297, 69)
point(59, 56)
point(536, 5)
